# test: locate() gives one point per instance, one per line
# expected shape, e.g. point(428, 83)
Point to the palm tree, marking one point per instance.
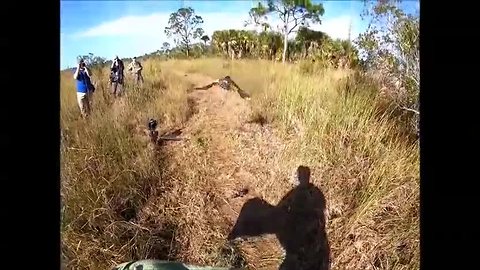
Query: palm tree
point(220, 41)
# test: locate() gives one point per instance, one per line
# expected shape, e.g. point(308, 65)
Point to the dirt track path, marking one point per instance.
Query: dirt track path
point(241, 155)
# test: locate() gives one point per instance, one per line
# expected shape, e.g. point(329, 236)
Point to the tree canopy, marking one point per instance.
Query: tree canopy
point(292, 13)
point(184, 25)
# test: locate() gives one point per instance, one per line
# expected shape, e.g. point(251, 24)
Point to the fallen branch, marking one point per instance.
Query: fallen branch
point(410, 110)
point(405, 108)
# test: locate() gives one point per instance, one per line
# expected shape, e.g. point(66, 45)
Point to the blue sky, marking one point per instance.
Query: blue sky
point(133, 28)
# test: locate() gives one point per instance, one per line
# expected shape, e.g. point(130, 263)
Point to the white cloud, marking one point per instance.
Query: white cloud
point(153, 25)
point(127, 26)
point(137, 35)
point(338, 27)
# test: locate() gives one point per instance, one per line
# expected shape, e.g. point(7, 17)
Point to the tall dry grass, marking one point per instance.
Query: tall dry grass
point(331, 120)
point(107, 173)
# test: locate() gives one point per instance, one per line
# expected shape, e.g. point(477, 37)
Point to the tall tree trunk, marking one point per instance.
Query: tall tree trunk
point(285, 45)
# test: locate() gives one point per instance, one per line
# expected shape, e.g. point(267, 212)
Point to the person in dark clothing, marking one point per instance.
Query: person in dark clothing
point(117, 76)
point(225, 83)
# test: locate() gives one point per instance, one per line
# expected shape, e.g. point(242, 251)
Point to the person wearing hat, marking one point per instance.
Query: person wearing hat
point(85, 88)
point(116, 76)
point(136, 69)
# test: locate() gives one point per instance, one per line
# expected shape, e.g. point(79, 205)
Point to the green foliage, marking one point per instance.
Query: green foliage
point(184, 25)
point(205, 39)
point(307, 39)
point(338, 53)
point(257, 16)
point(92, 60)
point(391, 45)
point(305, 34)
point(240, 43)
point(165, 50)
point(292, 13)
point(309, 44)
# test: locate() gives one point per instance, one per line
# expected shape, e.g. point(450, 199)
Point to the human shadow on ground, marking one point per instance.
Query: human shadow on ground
point(298, 221)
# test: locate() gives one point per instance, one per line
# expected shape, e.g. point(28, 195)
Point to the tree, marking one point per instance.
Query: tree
point(205, 39)
point(92, 60)
point(185, 26)
point(391, 47)
point(292, 13)
point(165, 47)
point(258, 18)
point(306, 38)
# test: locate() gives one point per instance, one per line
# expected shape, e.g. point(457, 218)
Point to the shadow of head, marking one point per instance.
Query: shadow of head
point(303, 175)
point(298, 221)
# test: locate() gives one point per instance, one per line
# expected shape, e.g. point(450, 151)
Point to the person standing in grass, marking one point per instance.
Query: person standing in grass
point(116, 76)
point(85, 88)
point(136, 69)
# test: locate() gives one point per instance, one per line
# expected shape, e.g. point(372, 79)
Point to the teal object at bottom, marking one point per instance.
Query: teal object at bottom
point(162, 265)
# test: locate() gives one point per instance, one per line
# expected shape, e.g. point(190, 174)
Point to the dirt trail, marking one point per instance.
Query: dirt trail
point(245, 156)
